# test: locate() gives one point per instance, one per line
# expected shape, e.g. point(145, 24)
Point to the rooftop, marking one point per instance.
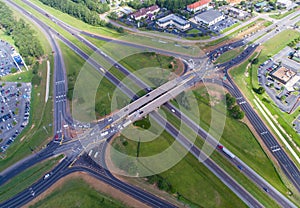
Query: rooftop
point(209, 15)
point(198, 4)
point(173, 17)
point(283, 74)
point(144, 11)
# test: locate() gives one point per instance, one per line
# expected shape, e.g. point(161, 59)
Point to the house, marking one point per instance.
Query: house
point(145, 12)
point(199, 5)
point(210, 17)
point(173, 20)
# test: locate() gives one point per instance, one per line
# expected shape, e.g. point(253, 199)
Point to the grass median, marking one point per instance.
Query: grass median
point(26, 178)
point(186, 177)
point(77, 192)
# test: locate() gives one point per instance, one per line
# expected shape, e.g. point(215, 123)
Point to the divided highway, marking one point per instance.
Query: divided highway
point(61, 90)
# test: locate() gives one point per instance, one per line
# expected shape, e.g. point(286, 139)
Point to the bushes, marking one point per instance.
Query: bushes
point(161, 183)
point(259, 90)
point(234, 110)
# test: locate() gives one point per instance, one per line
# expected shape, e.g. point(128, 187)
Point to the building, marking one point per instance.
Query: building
point(172, 20)
point(145, 12)
point(199, 5)
point(237, 13)
point(283, 74)
point(285, 3)
point(210, 17)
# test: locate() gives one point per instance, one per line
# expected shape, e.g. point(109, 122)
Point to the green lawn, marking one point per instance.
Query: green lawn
point(26, 178)
point(97, 87)
point(236, 136)
point(77, 193)
point(231, 27)
point(186, 177)
point(193, 31)
point(280, 15)
point(152, 68)
point(229, 55)
point(7, 38)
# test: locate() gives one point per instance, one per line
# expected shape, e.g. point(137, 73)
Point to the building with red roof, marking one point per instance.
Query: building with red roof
point(145, 12)
point(199, 5)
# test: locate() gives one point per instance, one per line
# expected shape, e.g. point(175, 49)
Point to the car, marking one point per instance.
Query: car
point(266, 189)
point(173, 110)
point(47, 176)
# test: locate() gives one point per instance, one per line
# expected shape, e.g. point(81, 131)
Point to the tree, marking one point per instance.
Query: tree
point(230, 101)
point(255, 61)
point(120, 30)
point(259, 90)
point(283, 98)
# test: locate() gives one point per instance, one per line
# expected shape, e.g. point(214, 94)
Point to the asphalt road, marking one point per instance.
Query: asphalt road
point(60, 110)
point(110, 77)
point(222, 66)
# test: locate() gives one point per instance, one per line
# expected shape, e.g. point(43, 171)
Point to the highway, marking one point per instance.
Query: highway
point(42, 186)
point(62, 89)
point(123, 88)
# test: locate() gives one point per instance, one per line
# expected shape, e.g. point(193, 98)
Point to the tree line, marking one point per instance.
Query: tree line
point(24, 37)
point(77, 9)
point(173, 5)
point(94, 5)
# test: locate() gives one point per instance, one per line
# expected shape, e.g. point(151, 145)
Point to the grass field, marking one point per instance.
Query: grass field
point(77, 193)
point(229, 55)
point(148, 66)
point(104, 89)
point(26, 178)
point(237, 137)
point(40, 123)
point(208, 191)
point(280, 16)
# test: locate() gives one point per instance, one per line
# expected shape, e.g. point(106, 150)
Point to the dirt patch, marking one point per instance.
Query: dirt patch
point(94, 183)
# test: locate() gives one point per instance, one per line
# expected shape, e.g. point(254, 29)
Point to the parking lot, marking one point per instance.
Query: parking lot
point(274, 88)
point(223, 24)
point(6, 60)
point(14, 111)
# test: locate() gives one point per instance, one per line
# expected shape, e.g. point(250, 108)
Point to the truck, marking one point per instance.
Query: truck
point(226, 151)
